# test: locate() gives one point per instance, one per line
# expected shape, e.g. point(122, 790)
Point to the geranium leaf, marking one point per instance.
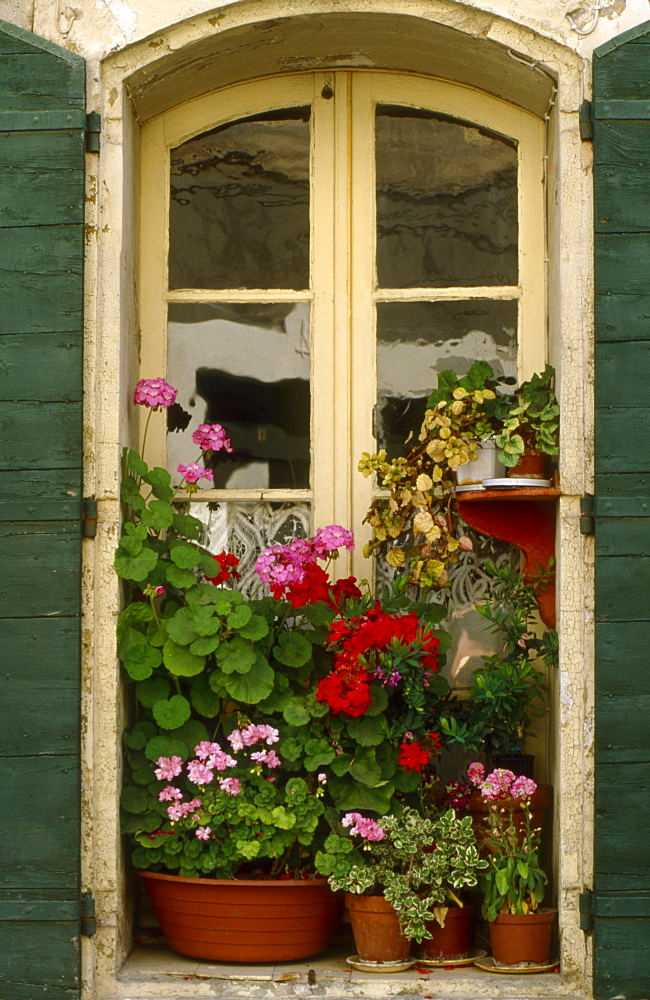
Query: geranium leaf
point(256, 628)
point(349, 795)
point(364, 767)
point(368, 732)
point(295, 713)
point(205, 645)
point(141, 660)
point(240, 616)
point(150, 691)
point(378, 700)
point(173, 713)
point(134, 463)
point(165, 746)
point(135, 567)
point(253, 686)
point(185, 556)
point(180, 662)
point(157, 515)
point(237, 655)
point(180, 578)
point(181, 628)
point(191, 734)
point(134, 799)
point(292, 649)
point(203, 698)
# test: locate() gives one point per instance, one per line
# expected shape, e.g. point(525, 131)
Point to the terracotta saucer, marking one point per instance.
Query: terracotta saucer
point(488, 965)
point(363, 966)
point(473, 956)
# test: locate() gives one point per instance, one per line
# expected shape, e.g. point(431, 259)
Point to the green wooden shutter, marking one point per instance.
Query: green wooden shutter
point(620, 902)
point(42, 122)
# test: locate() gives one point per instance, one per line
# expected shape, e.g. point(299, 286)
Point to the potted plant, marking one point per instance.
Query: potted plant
point(401, 878)
point(343, 686)
point(514, 884)
point(530, 431)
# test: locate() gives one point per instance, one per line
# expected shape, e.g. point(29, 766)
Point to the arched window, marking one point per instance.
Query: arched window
point(314, 248)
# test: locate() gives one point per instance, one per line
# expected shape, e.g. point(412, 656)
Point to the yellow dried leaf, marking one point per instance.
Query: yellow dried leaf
point(422, 522)
point(395, 557)
point(424, 482)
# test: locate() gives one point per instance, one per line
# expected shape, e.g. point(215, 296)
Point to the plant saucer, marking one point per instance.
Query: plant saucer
point(489, 965)
point(361, 965)
point(511, 483)
point(472, 956)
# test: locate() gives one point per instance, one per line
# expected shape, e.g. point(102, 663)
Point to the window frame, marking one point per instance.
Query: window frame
point(342, 297)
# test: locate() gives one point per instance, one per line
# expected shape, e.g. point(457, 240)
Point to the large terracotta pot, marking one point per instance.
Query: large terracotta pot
point(522, 937)
point(454, 940)
point(237, 920)
point(377, 933)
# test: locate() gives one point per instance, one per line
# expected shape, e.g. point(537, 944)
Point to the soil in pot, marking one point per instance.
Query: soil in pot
point(454, 940)
point(377, 933)
point(522, 937)
point(237, 920)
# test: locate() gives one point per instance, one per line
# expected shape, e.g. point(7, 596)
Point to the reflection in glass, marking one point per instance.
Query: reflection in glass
point(246, 529)
point(416, 340)
point(239, 205)
point(245, 366)
point(446, 202)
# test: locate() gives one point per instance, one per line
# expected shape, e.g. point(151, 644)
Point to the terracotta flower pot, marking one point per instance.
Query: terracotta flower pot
point(236, 920)
point(377, 933)
point(519, 937)
point(531, 465)
point(454, 940)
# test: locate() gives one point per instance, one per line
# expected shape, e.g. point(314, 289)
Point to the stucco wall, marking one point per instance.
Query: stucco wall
point(129, 44)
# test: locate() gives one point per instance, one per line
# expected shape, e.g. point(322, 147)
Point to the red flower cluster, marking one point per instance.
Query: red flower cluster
point(347, 688)
point(314, 586)
point(227, 568)
point(415, 756)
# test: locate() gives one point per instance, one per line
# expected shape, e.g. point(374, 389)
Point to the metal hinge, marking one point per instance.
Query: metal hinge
point(587, 522)
point(87, 915)
point(586, 120)
point(93, 128)
point(88, 517)
point(586, 912)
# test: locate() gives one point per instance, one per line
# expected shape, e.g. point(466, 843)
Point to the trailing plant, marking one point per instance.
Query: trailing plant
point(514, 881)
point(416, 862)
point(532, 421)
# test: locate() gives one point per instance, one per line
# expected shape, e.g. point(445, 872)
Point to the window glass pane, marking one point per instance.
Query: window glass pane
point(245, 366)
point(239, 205)
point(246, 529)
point(415, 340)
point(446, 202)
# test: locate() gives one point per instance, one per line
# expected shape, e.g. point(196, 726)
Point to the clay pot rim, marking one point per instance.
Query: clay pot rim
point(548, 912)
point(257, 882)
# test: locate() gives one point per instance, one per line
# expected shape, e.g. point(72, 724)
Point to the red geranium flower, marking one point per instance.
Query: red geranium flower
point(412, 757)
point(227, 568)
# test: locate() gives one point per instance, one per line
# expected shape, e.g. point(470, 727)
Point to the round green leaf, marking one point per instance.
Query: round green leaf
point(150, 691)
point(135, 567)
point(134, 463)
point(137, 737)
point(367, 732)
point(237, 655)
point(364, 767)
point(192, 733)
point(134, 799)
point(165, 746)
point(157, 515)
point(292, 649)
point(140, 661)
point(203, 698)
point(180, 662)
point(173, 713)
point(180, 578)
point(256, 628)
point(185, 556)
point(204, 645)
point(240, 616)
point(295, 713)
point(252, 686)
point(181, 628)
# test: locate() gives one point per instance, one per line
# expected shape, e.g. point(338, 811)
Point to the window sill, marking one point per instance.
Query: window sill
point(327, 975)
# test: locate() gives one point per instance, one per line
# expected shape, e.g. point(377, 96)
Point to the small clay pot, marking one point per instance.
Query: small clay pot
point(522, 937)
point(452, 941)
point(531, 465)
point(377, 933)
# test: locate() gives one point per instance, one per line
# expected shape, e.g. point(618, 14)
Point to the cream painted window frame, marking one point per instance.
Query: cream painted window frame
point(343, 292)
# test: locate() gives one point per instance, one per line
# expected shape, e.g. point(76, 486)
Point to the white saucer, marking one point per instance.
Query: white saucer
point(362, 966)
point(512, 483)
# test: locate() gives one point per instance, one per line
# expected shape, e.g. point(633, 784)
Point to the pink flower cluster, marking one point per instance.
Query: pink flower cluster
point(211, 437)
point(252, 734)
point(364, 827)
point(284, 565)
point(268, 757)
point(193, 472)
point(168, 768)
point(500, 783)
point(181, 809)
point(154, 392)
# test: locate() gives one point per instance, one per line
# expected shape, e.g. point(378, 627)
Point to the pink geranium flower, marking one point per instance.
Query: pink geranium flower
point(193, 472)
point(211, 437)
point(154, 392)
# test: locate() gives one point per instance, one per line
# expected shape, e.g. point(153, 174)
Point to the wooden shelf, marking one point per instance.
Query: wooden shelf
point(525, 517)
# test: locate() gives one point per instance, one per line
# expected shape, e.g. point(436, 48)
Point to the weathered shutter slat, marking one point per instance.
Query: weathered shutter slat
point(620, 903)
point(42, 156)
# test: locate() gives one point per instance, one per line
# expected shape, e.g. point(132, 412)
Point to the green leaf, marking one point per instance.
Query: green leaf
point(206, 622)
point(160, 482)
point(295, 713)
point(236, 655)
point(181, 628)
point(150, 691)
point(203, 698)
point(135, 567)
point(173, 713)
point(158, 515)
point(240, 616)
point(319, 613)
point(256, 628)
point(141, 660)
point(253, 686)
point(137, 612)
point(191, 734)
point(165, 746)
point(137, 737)
point(180, 662)
point(185, 556)
point(364, 767)
point(134, 799)
point(341, 764)
point(367, 732)
point(205, 645)
point(501, 880)
point(522, 868)
point(130, 494)
point(180, 578)
point(292, 649)
point(378, 700)
point(134, 463)
point(348, 795)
